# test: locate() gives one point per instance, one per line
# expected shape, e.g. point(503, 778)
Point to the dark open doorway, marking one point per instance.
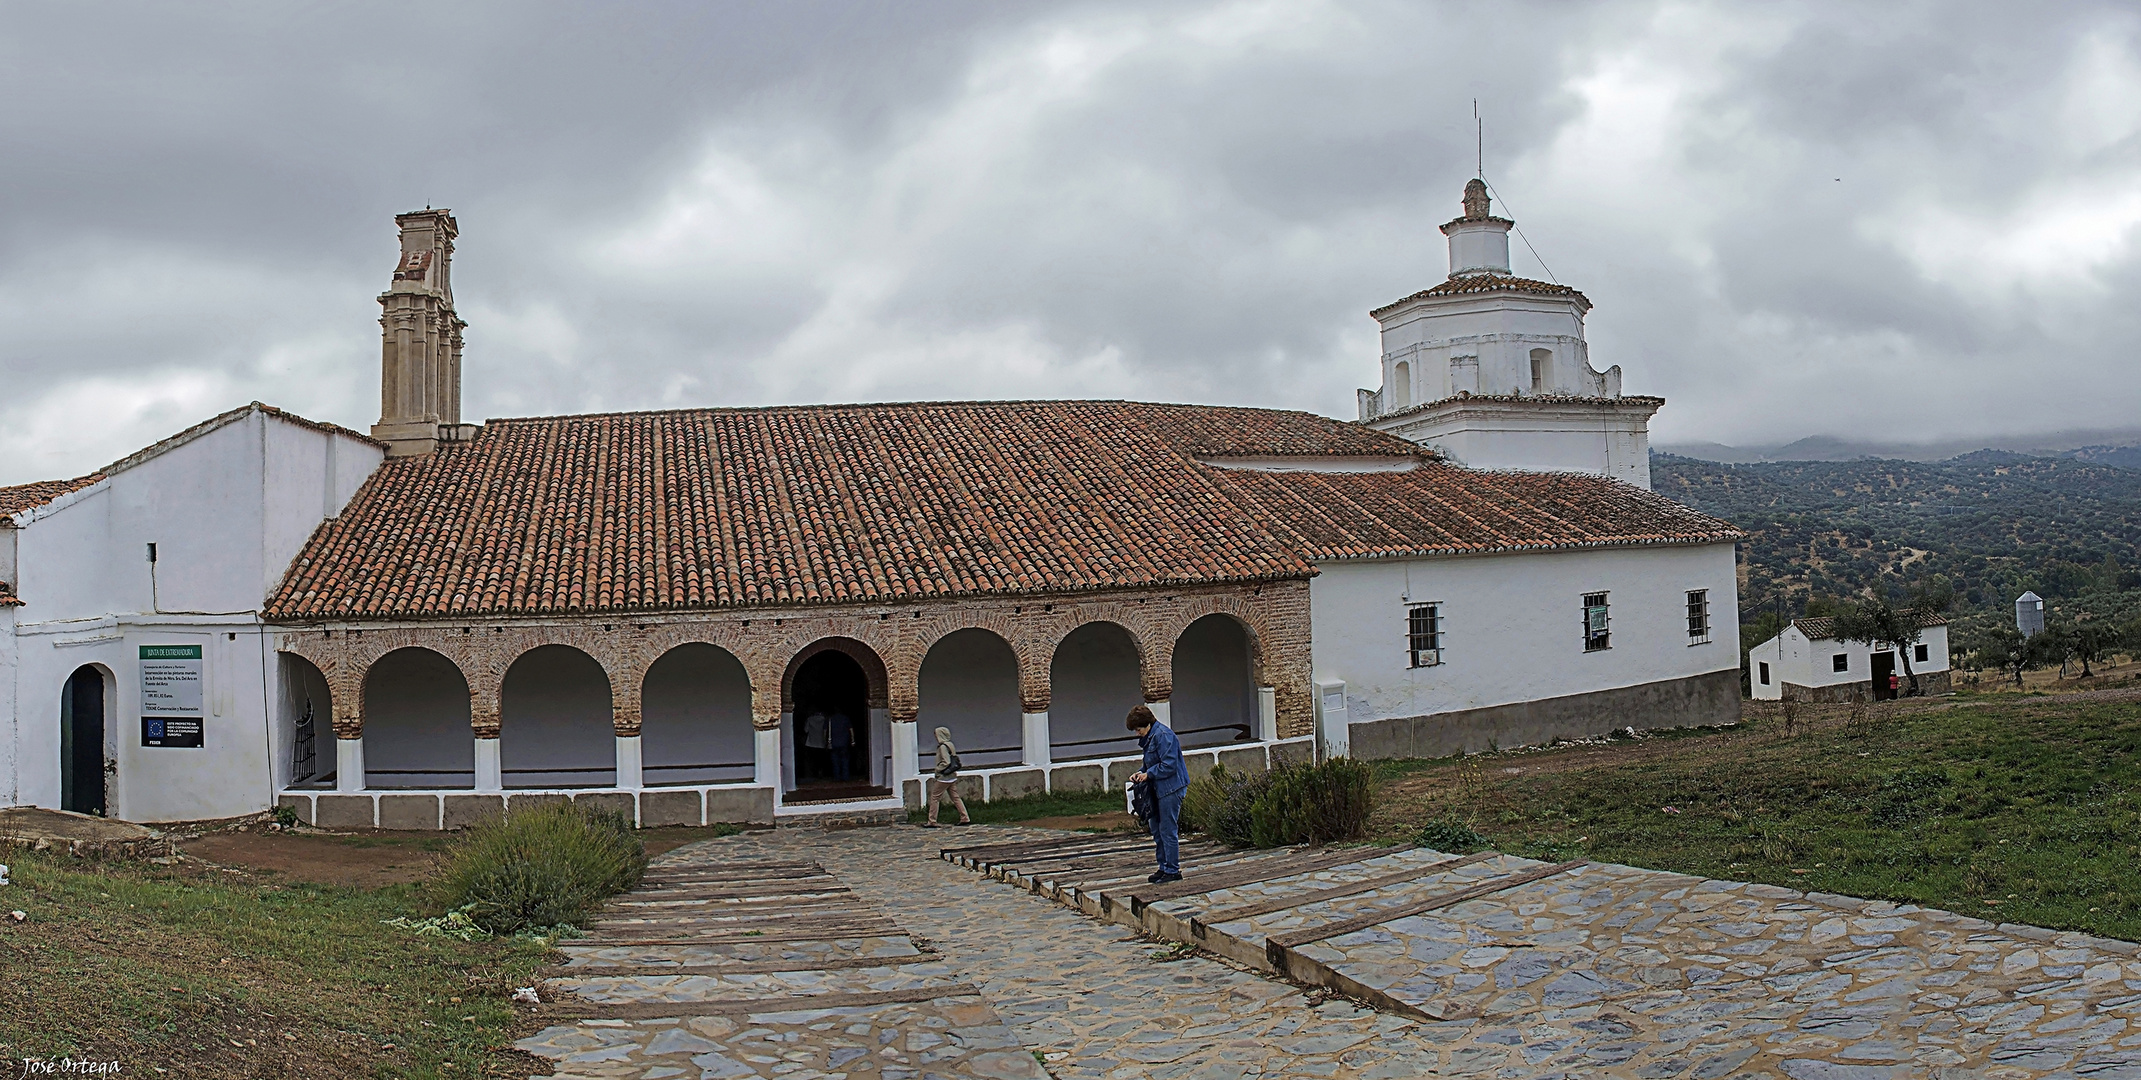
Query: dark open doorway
point(1884, 666)
point(81, 754)
point(832, 726)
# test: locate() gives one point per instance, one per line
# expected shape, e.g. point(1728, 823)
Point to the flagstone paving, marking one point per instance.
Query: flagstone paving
point(1590, 970)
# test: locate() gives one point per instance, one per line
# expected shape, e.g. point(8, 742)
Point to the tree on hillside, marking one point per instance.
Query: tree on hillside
point(2005, 648)
point(2090, 641)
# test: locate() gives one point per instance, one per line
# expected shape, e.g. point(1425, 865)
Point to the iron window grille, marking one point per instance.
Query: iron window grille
point(1597, 632)
point(1840, 662)
point(1423, 632)
point(1698, 616)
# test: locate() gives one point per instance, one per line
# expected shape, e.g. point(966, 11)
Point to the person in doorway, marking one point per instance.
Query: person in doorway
point(814, 743)
point(945, 780)
point(1164, 770)
point(840, 740)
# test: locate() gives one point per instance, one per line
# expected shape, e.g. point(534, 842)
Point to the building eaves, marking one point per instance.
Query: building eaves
point(1485, 284)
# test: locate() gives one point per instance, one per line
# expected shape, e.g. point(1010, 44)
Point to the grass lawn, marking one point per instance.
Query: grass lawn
point(195, 971)
point(1050, 809)
point(2021, 808)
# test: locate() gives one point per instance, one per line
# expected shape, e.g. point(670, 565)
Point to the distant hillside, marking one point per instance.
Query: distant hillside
point(2102, 447)
point(1995, 523)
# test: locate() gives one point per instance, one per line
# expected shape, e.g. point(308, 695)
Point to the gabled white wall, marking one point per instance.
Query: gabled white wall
point(1513, 626)
point(228, 509)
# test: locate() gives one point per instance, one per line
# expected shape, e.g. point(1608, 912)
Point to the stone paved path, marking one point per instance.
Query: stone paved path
point(1591, 971)
point(1518, 969)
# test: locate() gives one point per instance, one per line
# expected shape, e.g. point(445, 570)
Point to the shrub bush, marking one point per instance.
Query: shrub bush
point(1323, 803)
point(544, 867)
point(1217, 804)
point(1452, 835)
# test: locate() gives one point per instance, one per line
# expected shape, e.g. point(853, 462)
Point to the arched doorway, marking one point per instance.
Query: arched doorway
point(82, 714)
point(969, 683)
point(416, 729)
point(1094, 681)
point(1214, 699)
point(554, 726)
point(307, 721)
point(830, 693)
point(695, 718)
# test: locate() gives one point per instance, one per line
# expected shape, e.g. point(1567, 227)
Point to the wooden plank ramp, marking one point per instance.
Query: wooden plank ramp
point(1262, 908)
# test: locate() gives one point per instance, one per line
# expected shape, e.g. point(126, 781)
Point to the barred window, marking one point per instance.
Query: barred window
point(1423, 632)
point(1596, 633)
point(1840, 662)
point(1698, 616)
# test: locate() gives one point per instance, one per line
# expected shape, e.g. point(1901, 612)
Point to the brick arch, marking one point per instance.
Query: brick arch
point(1244, 615)
point(872, 664)
point(1033, 651)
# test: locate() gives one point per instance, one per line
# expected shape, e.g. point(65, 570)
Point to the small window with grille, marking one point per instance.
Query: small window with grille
point(1423, 633)
point(1698, 616)
point(1840, 662)
point(1596, 632)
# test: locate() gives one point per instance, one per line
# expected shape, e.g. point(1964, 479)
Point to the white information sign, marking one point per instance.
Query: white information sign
point(171, 680)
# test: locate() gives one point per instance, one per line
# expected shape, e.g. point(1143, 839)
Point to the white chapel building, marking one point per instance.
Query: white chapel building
point(419, 626)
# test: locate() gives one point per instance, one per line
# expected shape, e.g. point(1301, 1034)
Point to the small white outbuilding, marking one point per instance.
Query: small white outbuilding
point(1809, 662)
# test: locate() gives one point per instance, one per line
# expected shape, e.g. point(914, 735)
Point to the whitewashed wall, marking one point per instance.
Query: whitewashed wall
point(554, 713)
point(1513, 626)
point(695, 709)
point(1093, 684)
point(83, 574)
point(1795, 659)
point(969, 683)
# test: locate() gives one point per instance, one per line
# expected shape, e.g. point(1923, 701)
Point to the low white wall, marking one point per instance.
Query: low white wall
point(1513, 626)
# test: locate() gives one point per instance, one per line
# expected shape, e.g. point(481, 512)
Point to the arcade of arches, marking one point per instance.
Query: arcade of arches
point(821, 706)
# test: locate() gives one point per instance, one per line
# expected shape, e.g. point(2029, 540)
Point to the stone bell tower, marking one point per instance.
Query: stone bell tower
point(420, 357)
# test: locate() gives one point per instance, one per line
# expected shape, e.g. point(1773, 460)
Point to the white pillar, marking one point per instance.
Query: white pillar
point(490, 775)
point(1159, 712)
point(786, 753)
point(628, 762)
point(880, 734)
point(906, 753)
point(349, 764)
point(1034, 726)
point(1267, 713)
point(766, 757)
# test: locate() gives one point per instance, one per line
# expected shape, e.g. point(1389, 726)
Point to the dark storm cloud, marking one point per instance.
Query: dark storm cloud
point(1793, 219)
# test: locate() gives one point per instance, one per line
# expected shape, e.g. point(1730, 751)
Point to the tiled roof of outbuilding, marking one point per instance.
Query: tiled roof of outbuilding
point(1439, 509)
point(31, 496)
point(722, 508)
point(1458, 285)
point(1823, 627)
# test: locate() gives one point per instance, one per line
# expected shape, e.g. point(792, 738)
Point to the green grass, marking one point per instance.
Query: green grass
point(1055, 804)
point(202, 972)
point(2023, 809)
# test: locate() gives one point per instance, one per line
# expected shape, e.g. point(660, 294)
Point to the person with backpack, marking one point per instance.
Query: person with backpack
point(945, 781)
point(1167, 777)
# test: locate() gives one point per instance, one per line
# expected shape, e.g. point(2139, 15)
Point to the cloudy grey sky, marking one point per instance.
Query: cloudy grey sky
point(1905, 220)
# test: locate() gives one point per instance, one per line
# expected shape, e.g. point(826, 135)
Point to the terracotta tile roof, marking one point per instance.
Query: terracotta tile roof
point(1580, 401)
point(1823, 627)
point(722, 508)
point(1438, 509)
point(1466, 284)
point(31, 496)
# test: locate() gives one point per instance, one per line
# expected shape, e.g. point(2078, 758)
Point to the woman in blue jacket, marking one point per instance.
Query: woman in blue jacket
point(1169, 777)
